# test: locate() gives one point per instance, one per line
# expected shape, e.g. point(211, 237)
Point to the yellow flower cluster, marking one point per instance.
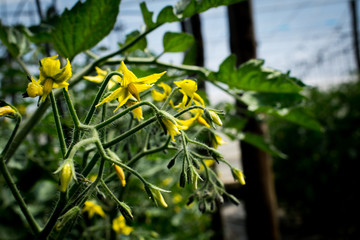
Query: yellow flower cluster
point(131, 86)
point(188, 89)
point(51, 76)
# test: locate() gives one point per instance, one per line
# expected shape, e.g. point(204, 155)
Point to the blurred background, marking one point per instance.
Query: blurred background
point(316, 40)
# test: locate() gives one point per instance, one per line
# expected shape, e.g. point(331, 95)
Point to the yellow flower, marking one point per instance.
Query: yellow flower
point(177, 198)
point(172, 125)
point(158, 96)
point(120, 227)
point(34, 88)
point(238, 175)
point(101, 74)
point(6, 110)
point(188, 86)
point(120, 173)
point(209, 162)
point(51, 76)
point(131, 86)
point(93, 208)
point(217, 140)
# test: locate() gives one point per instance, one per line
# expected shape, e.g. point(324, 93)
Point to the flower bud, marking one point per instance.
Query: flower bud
point(65, 177)
point(156, 195)
point(120, 174)
point(216, 119)
point(67, 171)
point(238, 175)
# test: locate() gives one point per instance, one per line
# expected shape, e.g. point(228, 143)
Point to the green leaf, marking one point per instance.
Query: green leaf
point(190, 7)
point(166, 15)
point(298, 115)
point(147, 16)
point(258, 101)
point(83, 26)
point(259, 142)
point(252, 76)
point(177, 42)
point(37, 34)
point(16, 42)
point(141, 44)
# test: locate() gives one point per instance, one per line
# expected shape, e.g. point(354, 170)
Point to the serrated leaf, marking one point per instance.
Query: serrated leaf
point(83, 26)
point(38, 34)
point(15, 41)
point(259, 142)
point(147, 16)
point(177, 42)
point(298, 115)
point(141, 44)
point(256, 101)
point(252, 76)
point(190, 7)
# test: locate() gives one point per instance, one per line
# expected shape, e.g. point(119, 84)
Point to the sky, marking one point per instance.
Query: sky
point(310, 38)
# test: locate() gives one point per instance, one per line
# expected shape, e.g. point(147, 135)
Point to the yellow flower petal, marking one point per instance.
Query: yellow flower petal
point(150, 79)
point(171, 128)
point(128, 77)
point(133, 90)
point(61, 85)
point(48, 86)
point(137, 111)
point(64, 74)
point(93, 208)
point(34, 88)
point(188, 86)
point(198, 100)
point(6, 110)
point(120, 227)
point(202, 121)
point(120, 93)
point(158, 96)
point(49, 67)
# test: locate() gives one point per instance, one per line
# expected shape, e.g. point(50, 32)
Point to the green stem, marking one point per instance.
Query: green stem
point(129, 169)
point(127, 110)
point(15, 192)
point(9, 142)
point(147, 152)
point(130, 132)
point(169, 98)
point(54, 216)
point(184, 141)
point(23, 66)
point(58, 124)
point(71, 108)
point(99, 95)
point(80, 144)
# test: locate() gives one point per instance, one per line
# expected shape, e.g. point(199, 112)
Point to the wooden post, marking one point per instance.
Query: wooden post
point(353, 11)
point(259, 192)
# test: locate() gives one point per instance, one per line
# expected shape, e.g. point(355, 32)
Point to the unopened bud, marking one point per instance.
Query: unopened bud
point(238, 175)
